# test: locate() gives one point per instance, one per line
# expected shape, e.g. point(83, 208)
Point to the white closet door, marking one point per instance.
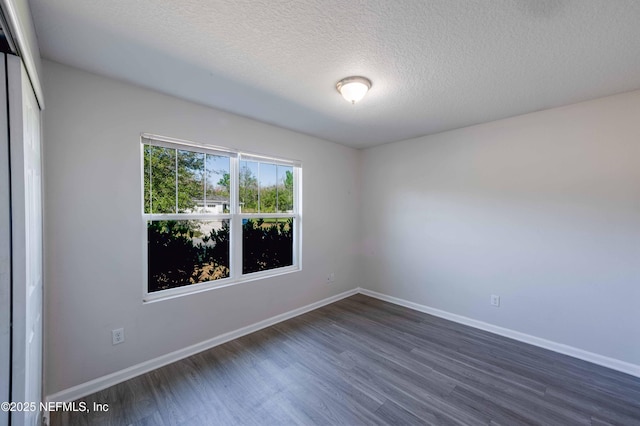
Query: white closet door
point(26, 216)
point(5, 249)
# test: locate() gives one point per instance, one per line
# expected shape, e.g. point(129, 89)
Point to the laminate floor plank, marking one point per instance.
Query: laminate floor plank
point(433, 357)
point(333, 381)
point(617, 412)
point(384, 356)
point(392, 413)
point(496, 413)
point(506, 394)
point(418, 400)
point(362, 361)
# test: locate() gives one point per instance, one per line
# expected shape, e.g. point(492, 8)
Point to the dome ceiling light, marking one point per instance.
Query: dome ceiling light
point(353, 88)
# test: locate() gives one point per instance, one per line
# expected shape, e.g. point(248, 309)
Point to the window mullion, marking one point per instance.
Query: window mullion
point(186, 216)
point(296, 190)
point(233, 186)
point(150, 178)
point(235, 239)
point(176, 181)
point(297, 222)
point(266, 215)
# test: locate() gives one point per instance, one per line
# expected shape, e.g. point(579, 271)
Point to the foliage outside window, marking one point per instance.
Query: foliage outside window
point(213, 215)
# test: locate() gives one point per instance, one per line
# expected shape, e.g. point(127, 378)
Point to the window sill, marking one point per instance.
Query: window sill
point(212, 285)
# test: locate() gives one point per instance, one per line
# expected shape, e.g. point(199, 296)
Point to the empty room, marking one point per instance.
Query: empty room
point(320, 212)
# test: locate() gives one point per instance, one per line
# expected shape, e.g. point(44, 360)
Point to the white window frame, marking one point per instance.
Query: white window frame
point(234, 216)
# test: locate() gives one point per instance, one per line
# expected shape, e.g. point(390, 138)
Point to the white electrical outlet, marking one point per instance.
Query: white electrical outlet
point(331, 277)
point(117, 336)
point(495, 300)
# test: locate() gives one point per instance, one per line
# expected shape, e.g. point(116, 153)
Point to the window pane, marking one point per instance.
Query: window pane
point(268, 192)
point(147, 179)
point(184, 252)
point(218, 184)
point(160, 179)
point(285, 189)
point(248, 182)
point(190, 181)
point(266, 244)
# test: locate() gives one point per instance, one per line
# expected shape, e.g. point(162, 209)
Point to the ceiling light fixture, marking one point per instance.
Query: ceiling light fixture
point(353, 88)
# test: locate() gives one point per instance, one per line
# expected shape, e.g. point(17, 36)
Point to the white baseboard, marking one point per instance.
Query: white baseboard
point(104, 382)
point(592, 357)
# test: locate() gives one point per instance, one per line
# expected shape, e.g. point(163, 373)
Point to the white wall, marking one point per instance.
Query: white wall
point(94, 268)
point(541, 209)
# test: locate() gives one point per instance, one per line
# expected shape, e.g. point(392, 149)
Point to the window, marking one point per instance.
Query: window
point(214, 216)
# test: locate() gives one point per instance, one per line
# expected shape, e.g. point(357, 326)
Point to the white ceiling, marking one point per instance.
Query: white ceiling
point(435, 65)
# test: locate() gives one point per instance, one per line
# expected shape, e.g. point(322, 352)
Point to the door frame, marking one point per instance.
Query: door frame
point(27, 289)
point(5, 248)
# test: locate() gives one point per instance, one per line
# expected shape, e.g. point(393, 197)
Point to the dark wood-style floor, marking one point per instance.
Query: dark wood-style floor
point(361, 361)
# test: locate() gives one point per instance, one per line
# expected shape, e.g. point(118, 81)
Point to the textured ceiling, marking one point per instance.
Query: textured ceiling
point(435, 65)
